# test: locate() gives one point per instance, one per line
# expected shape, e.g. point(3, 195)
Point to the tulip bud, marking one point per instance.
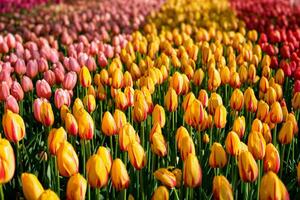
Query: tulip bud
point(89, 103)
point(7, 161)
point(178, 174)
point(196, 112)
point(205, 138)
point(11, 104)
point(222, 188)
point(120, 119)
point(119, 175)
point(109, 126)
point(86, 125)
point(158, 144)
point(198, 77)
point(166, 177)
point(232, 143)
point(217, 157)
point(220, 116)
point(239, 126)
point(180, 134)
point(214, 101)
point(121, 101)
point(67, 160)
point(140, 110)
point(17, 91)
point(70, 80)
point(55, 138)
point(270, 96)
point(85, 77)
point(13, 126)
point(262, 110)
point(296, 101)
point(26, 83)
point(263, 84)
point(96, 172)
point(43, 89)
point(161, 193)
point(250, 100)
point(71, 125)
point(214, 80)
point(48, 195)
point(276, 115)
point(248, 169)
point(277, 191)
point(76, 187)
point(237, 100)
point(257, 145)
point(104, 153)
point(203, 97)
point(192, 173)
point(271, 159)
point(117, 78)
point(158, 115)
point(171, 100)
point(126, 136)
point(61, 97)
point(177, 82)
point(187, 147)
point(47, 116)
point(286, 133)
point(32, 188)
point(137, 155)
point(188, 100)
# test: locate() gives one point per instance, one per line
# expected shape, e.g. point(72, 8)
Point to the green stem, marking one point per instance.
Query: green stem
point(176, 194)
point(83, 156)
point(282, 160)
point(111, 146)
point(274, 136)
point(1, 192)
point(57, 177)
point(259, 176)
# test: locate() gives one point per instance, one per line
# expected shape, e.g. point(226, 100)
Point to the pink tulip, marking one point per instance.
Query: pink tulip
point(43, 89)
point(20, 67)
point(70, 81)
point(91, 64)
point(27, 84)
point(59, 74)
point(102, 60)
point(11, 104)
point(17, 91)
point(19, 49)
point(4, 90)
point(49, 76)
point(61, 97)
point(32, 68)
point(74, 65)
point(42, 65)
point(4, 47)
point(11, 41)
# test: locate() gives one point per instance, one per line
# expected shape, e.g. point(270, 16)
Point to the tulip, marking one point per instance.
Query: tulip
point(188, 100)
point(205, 138)
point(214, 101)
point(250, 100)
point(86, 125)
point(96, 172)
point(214, 80)
point(222, 188)
point(17, 91)
point(271, 159)
point(177, 82)
point(237, 100)
point(47, 116)
point(27, 84)
point(48, 195)
point(266, 132)
point(11, 104)
point(71, 125)
point(198, 77)
point(76, 187)
point(77, 106)
point(232, 143)
point(239, 126)
point(270, 96)
point(13, 126)
point(90, 103)
point(119, 175)
point(140, 110)
point(295, 101)
point(121, 101)
point(43, 89)
point(158, 115)
point(187, 147)
point(248, 169)
point(220, 116)
point(137, 155)
point(108, 126)
point(286, 133)
point(263, 84)
point(127, 79)
point(291, 117)
point(171, 100)
point(192, 173)
point(196, 112)
point(262, 110)
point(257, 145)
point(129, 93)
point(257, 125)
point(180, 134)
point(32, 188)
point(225, 75)
point(203, 97)
point(85, 78)
point(298, 173)
point(271, 187)
point(67, 160)
point(70, 80)
point(7, 161)
point(117, 78)
point(178, 174)
point(158, 144)
point(32, 68)
point(161, 193)
point(126, 136)
point(217, 157)
point(276, 115)
point(104, 153)
point(61, 97)
point(166, 177)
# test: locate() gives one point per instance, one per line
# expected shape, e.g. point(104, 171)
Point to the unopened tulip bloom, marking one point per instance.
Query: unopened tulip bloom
point(137, 155)
point(232, 143)
point(222, 188)
point(225, 75)
point(217, 157)
point(171, 100)
point(205, 138)
point(76, 187)
point(161, 193)
point(187, 147)
point(43, 89)
point(220, 116)
point(188, 100)
point(166, 177)
point(17, 91)
point(129, 93)
point(117, 78)
point(180, 134)
point(48, 195)
point(13, 126)
point(266, 132)
point(158, 115)
point(257, 145)
point(250, 100)
point(256, 125)
point(96, 172)
point(67, 160)
point(296, 101)
point(104, 153)
point(11, 104)
point(262, 110)
point(178, 174)
point(196, 112)
point(248, 169)
point(109, 126)
point(272, 188)
point(27, 84)
point(64, 110)
point(203, 97)
point(32, 188)
point(47, 116)
point(85, 78)
point(198, 77)
point(239, 126)
point(271, 159)
point(159, 145)
point(291, 117)
point(119, 175)
point(71, 125)
point(214, 80)
point(61, 97)
point(286, 133)
point(237, 100)
point(127, 135)
point(86, 126)
point(7, 161)
point(121, 101)
point(70, 80)
point(140, 110)
point(127, 79)
point(89, 103)
point(177, 82)
point(276, 115)
point(192, 172)
point(55, 138)
point(263, 84)
point(270, 96)
point(214, 101)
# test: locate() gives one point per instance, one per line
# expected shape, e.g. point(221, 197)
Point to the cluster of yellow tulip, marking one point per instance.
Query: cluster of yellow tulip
point(190, 103)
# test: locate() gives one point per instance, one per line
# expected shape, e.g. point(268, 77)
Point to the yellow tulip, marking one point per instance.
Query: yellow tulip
point(161, 193)
point(108, 124)
point(119, 175)
point(97, 173)
point(217, 157)
point(76, 187)
point(13, 126)
point(137, 155)
point(222, 188)
point(166, 177)
point(192, 173)
point(85, 78)
point(32, 188)
point(67, 160)
point(48, 195)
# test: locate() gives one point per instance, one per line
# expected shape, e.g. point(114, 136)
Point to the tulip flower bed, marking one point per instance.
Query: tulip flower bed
point(158, 100)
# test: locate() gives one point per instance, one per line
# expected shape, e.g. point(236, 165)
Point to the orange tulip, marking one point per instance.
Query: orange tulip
point(257, 145)
point(188, 100)
point(71, 125)
point(121, 101)
point(7, 161)
point(177, 82)
point(250, 100)
point(262, 110)
point(166, 177)
point(237, 100)
point(119, 175)
point(296, 101)
point(180, 134)
point(104, 153)
point(89, 103)
point(159, 145)
point(205, 138)
point(225, 75)
point(158, 115)
point(47, 116)
point(270, 96)
point(67, 160)
point(239, 126)
point(276, 115)
point(198, 77)
point(263, 84)
point(161, 193)
point(220, 116)
point(214, 101)
point(286, 133)
point(85, 78)
point(127, 135)
point(196, 112)
point(55, 138)
point(63, 112)
point(32, 188)
point(187, 147)
point(108, 125)
point(217, 157)
point(140, 110)
point(192, 172)
point(77, 107)
point(137, 155)
point(171, 100)
point(76, 187)
point(232, 143)
point(272, 159)
point(222, 188)
point(13, 126)
point(214, 80)
point(298, 173)
point(120, 119)
point(257, 125)
point(266, 132)
point(203, 97)
point(48, 195)
point(178, 174)
point(86, 125)
point(291, 117)
point(248, 169)
point(97, 173)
